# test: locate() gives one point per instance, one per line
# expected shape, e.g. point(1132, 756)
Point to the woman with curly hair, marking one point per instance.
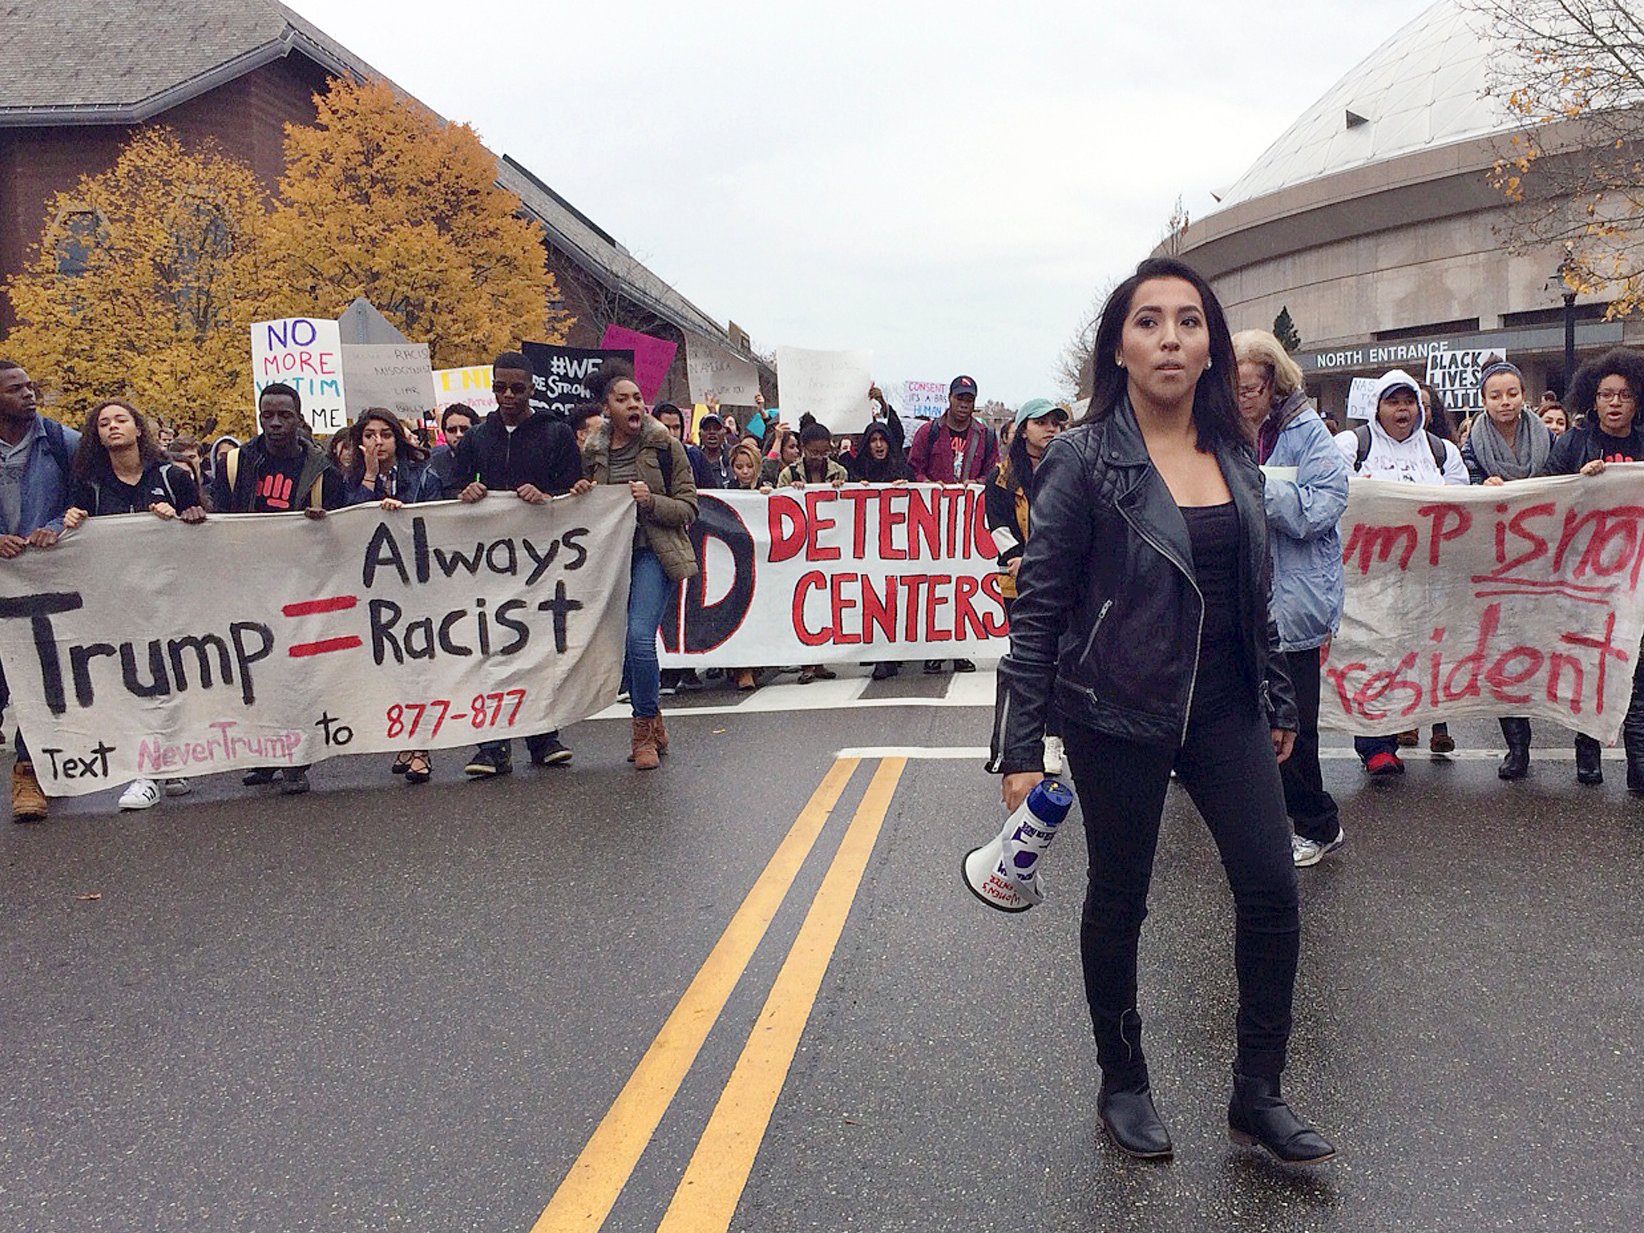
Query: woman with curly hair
point(1603, 401)
point(121, 469)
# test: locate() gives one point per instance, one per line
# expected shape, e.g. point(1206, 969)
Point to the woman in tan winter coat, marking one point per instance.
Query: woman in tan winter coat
point(635, 449)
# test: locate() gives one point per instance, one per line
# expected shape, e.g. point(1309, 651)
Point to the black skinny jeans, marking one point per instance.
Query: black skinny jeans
point(1311, 808)
point(1228, 769)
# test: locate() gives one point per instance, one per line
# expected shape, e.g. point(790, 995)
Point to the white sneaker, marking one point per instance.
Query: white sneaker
point(1309, 852)
point(1055, 756)
point(141, 794)
point(178, 787)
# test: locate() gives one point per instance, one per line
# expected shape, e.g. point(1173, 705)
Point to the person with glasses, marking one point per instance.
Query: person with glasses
point(534, 455)
point(1603, 400)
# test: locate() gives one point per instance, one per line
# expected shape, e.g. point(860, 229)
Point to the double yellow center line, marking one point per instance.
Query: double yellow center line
point(707, 1195)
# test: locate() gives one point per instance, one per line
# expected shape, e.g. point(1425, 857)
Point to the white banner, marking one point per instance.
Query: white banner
point(392, 375)
point(138, 647)
point(1476, 602)
point(712, 370)
point(306, 354)
point(824, 575)
point(831, 385)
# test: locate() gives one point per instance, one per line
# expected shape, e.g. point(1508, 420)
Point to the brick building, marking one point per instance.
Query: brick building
point(79, 76)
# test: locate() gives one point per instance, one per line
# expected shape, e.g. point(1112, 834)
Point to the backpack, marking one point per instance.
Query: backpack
point(932, 428)
point(1361, 434)
point(165, 481)
point(231, 462)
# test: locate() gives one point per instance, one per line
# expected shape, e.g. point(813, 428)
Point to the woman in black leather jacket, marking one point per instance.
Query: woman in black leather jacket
point(1143, 607)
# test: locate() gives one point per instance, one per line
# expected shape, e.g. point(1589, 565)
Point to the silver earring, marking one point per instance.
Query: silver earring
point(1209, 364)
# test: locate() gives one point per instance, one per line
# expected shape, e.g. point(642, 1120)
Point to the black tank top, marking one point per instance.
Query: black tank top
point(1219, 686)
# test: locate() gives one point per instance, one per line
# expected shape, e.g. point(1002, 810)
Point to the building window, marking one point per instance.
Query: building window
point(1468, 325)
point(78, 230)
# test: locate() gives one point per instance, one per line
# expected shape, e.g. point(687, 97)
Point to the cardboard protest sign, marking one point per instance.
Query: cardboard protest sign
point(470, 386)
point(306, 354)
point(712, 371)
point(652, 357)
point(1454, 374)
point(1361, 399)
point(564, 375)
point(836, 576)
point(428, 627)
point(924, 399)
point(830, 385)
point(1474, 602)
point(392, 375)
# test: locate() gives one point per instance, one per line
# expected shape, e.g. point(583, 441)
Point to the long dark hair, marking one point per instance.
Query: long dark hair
point(1215, 404)
point(1439, 422)
point(1623, 362)
point(92, 459)
point(406, 450)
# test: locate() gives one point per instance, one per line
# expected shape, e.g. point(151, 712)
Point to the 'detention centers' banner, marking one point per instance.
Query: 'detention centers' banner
point(277, 640)
point(824, 575)
point(1473, 602)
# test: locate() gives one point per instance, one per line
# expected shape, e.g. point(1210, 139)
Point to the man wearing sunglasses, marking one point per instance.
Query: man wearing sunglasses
point(535, 456)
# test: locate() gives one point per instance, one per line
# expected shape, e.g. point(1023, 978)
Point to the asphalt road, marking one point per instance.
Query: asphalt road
point(749, 992)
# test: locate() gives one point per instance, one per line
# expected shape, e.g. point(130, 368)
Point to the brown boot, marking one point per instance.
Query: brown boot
point(644, 755)
point(28, 803)
point(659, 734)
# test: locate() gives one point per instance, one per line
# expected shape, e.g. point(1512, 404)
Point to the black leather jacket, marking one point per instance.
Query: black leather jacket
point(1108, 612)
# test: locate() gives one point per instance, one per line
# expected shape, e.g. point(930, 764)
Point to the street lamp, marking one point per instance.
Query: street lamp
point(1564, 268)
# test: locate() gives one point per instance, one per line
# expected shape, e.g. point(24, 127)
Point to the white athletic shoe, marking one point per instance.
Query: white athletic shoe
point(1055, 756)
point(141, 794)
point(1308, 852)
point(178, 787)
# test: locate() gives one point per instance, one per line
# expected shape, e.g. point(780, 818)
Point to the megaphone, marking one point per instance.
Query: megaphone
point(1004, 872)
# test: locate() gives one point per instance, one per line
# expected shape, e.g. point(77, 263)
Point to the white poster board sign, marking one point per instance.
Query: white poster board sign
point(712, 370)
point(1454, 375)
point(1361, 399)
point(830, 385)
point(924, 399)
point(306, 354)
point(471, 386)
point(392, 375)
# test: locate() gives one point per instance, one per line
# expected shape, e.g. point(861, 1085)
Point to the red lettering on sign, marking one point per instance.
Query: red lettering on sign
point(817, 581)
point(1446, 521)
point(787, 522)
point(818, 524)
point(842, 605)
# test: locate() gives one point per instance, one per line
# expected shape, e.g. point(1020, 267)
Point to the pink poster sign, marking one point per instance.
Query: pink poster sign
point(652, 356)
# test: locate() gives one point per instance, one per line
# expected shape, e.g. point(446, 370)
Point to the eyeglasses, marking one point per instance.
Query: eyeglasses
point(1614, 396)
point(510, 387)
point(1250, 391)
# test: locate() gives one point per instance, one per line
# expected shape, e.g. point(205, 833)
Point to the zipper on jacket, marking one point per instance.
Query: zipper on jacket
point(1101, 616)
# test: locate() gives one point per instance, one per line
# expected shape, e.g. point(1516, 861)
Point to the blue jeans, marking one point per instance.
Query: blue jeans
point(648, 591)
point(1368, 747)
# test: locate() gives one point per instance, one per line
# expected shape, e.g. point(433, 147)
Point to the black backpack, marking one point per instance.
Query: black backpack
point(1361, 434)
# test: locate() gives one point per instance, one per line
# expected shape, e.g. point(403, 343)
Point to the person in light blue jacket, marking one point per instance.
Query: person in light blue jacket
point(1305, 492)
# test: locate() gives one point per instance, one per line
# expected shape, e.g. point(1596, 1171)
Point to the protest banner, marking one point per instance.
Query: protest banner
point(1454, 375)
point(564, 375)
point(826, 575)
point(653, 357)
point(470, 386)
point(277, 640)
point(924, 400)
point(1475, 602)
point(392, 375)
point(830, 385)
point(712, 371)
point(306, 354)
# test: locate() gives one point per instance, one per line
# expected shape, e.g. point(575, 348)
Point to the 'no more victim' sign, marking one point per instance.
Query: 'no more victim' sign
point(141, 647)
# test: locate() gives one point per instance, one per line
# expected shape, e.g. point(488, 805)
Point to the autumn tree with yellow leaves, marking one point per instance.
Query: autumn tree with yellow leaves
point(1573, 72)
point(144, 285)
point(382, 198)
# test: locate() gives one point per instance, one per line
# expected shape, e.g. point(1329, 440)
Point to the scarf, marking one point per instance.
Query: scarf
point(1527, 455)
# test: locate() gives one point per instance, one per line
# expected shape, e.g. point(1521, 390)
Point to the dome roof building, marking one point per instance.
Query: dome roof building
point(1373, 220)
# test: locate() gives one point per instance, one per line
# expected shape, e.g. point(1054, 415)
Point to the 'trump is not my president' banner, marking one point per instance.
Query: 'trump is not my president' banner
point(137, 647)
point(819, 575)
point(1514, 600)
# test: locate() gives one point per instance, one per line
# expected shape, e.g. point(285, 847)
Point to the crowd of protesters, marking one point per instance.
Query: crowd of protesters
point(52, 478)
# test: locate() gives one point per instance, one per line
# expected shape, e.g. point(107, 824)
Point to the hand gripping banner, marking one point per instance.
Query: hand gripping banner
point(1521, 599)
point(145, 648)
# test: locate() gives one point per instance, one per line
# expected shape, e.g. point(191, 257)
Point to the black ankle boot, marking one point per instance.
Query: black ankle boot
point(1131, 1121)
point(1257, 1116)
point(1516, 765)
point(1589, 760)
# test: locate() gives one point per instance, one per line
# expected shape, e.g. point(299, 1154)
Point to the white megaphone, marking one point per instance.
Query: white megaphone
point(1004, 872)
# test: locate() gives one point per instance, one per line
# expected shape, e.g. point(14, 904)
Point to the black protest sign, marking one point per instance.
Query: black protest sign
point(565, 375)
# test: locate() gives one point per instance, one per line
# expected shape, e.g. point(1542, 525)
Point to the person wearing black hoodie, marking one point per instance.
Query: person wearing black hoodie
point(880, 460)
point(533, 455)
point(276, 472)
point(1605, 397)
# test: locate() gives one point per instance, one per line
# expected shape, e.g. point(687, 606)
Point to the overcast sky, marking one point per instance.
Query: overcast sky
point(944, 186)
